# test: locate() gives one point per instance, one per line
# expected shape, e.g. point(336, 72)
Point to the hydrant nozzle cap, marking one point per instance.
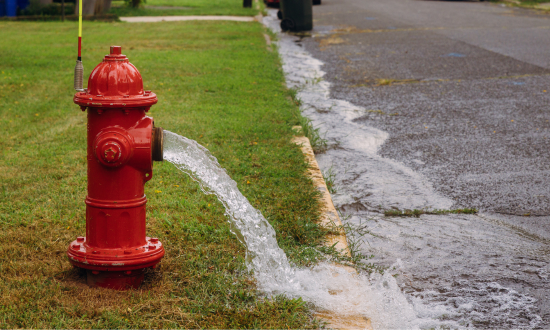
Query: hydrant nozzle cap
point(116, 50)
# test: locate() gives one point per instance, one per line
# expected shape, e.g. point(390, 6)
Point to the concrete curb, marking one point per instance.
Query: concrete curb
point(329, 215)
point(329, 218)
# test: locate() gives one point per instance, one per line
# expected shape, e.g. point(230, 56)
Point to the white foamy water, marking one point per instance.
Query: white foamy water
point(328, 287)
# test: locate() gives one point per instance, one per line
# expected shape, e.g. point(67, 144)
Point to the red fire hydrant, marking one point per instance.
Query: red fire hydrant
point(122, 144)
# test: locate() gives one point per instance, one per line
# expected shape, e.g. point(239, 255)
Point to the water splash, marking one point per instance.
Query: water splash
point(329, 287)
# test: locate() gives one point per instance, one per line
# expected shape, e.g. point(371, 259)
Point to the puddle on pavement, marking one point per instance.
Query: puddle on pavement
point(461, 271)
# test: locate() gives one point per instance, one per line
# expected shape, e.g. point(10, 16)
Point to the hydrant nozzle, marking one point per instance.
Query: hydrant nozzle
point(158, 143)
point(122, 145)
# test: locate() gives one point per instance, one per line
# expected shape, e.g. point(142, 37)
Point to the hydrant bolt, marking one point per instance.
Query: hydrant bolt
point(111, 152)
point(113, 146)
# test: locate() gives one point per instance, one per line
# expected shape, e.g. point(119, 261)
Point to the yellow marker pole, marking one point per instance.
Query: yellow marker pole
point(79, 68)
point(79, 25)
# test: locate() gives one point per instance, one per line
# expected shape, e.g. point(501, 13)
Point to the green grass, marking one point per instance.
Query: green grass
point(318, 143)
point(217, 84)
point(196, 7)
point(329, 175)
point(524, 3)
point(417, 213)
point(534, 1)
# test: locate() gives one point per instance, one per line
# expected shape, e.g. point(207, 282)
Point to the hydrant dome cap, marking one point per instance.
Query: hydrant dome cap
point(115, 82)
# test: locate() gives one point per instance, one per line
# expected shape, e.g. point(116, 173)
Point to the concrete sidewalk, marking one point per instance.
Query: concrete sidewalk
point(153, 19)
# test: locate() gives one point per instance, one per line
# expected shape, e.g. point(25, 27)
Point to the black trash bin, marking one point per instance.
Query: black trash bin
point(279, 12)
point(297, 15)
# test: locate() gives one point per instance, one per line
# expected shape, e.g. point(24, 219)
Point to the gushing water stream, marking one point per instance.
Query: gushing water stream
point(247, 223)
point(330, 288)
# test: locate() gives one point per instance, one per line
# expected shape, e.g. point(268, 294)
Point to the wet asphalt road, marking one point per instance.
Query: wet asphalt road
point(463, 91)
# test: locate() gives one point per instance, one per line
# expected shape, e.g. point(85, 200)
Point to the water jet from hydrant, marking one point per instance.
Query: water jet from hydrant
point(375, 296)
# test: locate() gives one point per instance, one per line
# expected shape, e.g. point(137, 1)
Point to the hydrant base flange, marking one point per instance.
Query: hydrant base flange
point(112, 260)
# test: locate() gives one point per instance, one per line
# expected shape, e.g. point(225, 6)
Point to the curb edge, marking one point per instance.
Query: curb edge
point(329, 215)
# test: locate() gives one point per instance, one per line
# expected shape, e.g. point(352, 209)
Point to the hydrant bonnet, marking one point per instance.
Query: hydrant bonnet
point(115, 83)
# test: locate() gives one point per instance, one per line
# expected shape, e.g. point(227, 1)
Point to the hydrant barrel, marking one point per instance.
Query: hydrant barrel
point(122, 143)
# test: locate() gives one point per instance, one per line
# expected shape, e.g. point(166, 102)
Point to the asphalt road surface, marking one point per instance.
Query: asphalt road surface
point(458, 93)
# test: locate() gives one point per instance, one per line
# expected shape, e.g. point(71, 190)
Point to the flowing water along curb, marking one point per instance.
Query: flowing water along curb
point(439, 262)
point(329, 217)
point(377, 296)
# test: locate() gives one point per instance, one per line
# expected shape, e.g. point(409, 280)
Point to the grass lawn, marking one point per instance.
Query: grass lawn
point(193, 7)
point(217, 84)
point(525, 3)
point(534, 1)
